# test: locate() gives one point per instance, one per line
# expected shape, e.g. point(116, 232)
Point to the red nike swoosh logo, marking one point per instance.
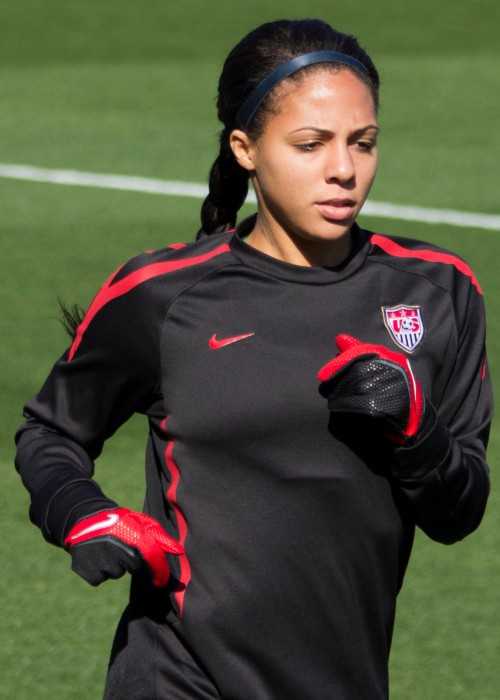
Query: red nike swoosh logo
point(216, 344)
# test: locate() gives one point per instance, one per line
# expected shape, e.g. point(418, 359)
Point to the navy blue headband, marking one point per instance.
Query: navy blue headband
point(251, 104)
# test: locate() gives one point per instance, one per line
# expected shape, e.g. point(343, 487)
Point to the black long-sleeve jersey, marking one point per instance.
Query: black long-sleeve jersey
point(296, 537)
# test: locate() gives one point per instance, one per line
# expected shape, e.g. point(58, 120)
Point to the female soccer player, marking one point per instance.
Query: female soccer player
point(313, 390)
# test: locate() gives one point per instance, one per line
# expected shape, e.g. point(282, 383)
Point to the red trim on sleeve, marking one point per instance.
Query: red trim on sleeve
point(399, 251)
point(110, 291)
point(483, 368)
point(182, 526)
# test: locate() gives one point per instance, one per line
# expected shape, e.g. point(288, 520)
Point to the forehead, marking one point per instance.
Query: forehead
point(322, 96)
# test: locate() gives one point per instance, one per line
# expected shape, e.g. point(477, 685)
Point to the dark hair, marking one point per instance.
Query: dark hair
point(248, 63)
point(70, 317)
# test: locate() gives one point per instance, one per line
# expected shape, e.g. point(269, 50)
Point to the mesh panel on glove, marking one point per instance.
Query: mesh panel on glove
point(374, 381)
point(373, 388)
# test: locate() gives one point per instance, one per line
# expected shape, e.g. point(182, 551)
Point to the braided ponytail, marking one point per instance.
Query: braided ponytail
point(228, 188)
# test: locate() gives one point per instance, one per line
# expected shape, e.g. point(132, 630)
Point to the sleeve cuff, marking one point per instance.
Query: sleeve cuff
point(72, 501)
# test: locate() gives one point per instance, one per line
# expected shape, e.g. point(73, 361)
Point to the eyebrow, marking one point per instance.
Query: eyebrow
point(327, 132)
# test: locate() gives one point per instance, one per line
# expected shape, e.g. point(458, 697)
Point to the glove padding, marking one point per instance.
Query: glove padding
point(374, 381)
point(109, 543)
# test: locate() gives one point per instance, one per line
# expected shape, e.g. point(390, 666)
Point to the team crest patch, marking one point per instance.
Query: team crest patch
point(404, 324)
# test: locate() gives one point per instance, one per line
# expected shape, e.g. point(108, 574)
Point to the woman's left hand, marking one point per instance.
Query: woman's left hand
point(374, 381)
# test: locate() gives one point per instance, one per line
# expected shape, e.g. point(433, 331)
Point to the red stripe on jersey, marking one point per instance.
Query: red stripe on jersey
point(482, 370)
point(399, 251)
point(185, 566)
point(110, 291)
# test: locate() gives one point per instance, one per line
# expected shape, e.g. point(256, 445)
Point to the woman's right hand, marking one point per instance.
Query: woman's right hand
point(109, 543)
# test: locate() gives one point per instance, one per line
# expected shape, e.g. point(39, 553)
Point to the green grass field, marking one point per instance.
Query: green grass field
point(127, 88)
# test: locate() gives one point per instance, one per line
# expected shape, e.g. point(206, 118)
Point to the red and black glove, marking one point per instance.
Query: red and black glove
point(374, 381)
point(109, 543)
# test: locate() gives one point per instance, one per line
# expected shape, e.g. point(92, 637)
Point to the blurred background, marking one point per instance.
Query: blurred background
point(129, 88)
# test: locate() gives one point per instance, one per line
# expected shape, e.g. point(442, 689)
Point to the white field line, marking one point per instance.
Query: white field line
point(191, 189)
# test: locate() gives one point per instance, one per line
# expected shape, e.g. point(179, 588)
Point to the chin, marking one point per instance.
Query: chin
point(327, 231)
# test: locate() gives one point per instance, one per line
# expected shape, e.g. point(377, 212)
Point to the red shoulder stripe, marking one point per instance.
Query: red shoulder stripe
point(110, 291)
point(399, 251)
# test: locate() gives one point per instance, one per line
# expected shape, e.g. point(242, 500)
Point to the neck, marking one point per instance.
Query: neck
point(270, 238)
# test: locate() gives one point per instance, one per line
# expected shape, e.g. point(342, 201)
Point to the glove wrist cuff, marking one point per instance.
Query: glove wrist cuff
point(424, 452)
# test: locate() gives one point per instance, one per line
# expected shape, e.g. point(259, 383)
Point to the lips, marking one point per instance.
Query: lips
point(339, 209)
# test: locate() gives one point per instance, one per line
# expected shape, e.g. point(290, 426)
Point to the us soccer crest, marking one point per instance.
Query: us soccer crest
point(404, 324)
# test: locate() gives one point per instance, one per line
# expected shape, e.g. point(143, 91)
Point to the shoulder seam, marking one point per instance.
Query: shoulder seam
point(110, 290)
point(431, 255)
point(390, 263)
point(200, 279)
point(168, 254)
point(446, 291)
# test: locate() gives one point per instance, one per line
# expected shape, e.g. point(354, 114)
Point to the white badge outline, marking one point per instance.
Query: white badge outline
point(383, 309)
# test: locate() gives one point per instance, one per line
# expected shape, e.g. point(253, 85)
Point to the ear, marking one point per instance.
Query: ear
point(243, 148)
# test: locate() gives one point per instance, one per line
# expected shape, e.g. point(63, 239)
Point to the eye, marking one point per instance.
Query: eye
point(308, 147)
point(366, 146)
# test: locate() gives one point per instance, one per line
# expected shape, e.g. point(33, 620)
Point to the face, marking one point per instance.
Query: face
point(314, 164)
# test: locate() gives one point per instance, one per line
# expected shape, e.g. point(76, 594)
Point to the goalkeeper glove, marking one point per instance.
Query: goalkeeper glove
point(374, 381)
point(109, 543)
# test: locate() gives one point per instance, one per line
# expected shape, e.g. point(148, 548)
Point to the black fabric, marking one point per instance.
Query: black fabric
point(149, 659)
point(297, 528)
point(64, 491)
point(427, 450)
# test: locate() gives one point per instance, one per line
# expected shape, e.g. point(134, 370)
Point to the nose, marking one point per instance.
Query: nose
point(340, 164)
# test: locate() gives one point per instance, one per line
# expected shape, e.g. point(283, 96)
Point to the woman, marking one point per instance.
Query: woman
point(285, 476)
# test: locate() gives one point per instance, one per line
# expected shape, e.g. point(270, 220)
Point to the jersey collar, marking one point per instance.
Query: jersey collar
point(315, 274)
